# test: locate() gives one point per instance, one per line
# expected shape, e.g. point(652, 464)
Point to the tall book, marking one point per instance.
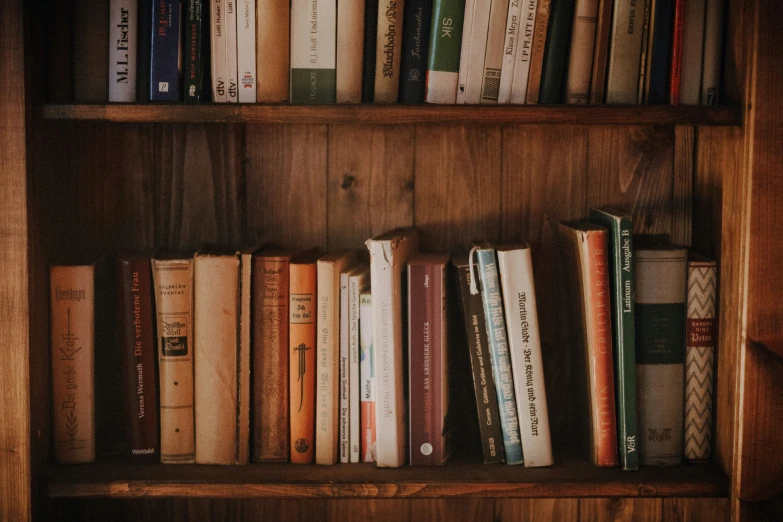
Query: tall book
point(520, 71)
point(217, 55)
point(246, 51)
point(387, 51)
point(481, 363)
point(675, 67)
point(524, 340)
point(510, 40)
point(538, 46)
point(173, 281)
point(443, 62)
point(601, 53)
point(137, 345)
point(622, 80)
point(358, 282)
point(585, 249)
point(493, 56)
point(144, 48)
point(368, 48)
point(244, 362)
point(303, 281)
point(621, 280)
point(89, 37)
point(343, 373)
point(72, 320)
point(367, 377)
point(464, 60)
point(350, 51)
point(313, 57)
point(415, 46)
point(556, 60)
point(123, 16)
point(272, 50)
point(477, 50)
point(713, 47)
point(230, 26)
point(692, 52)
point(659, 50)
point(270, 355)
point(428, 372)
point(193, 56)
point(661, 274)
point(389, 254)
point(641, 91)
point(580, 61)
point(164, 51)
point(497, 342)
point(700, 342)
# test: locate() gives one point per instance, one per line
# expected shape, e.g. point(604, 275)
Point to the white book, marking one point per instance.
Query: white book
point(357, 283)
point(527, 27)
point(123, 50)
point(246, 50)
point(389, 254)
point(509, 50)
point(713, 45)
point(231, 51)
point(477, 50)
point(313, 51)
point(519, 301)
point(493, 55)
point(692, 52)
point(217, 45)
point(345, 383)
point(464, 54)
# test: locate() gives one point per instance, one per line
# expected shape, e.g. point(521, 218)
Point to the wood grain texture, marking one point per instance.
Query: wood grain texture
point(364, 510)
point(536, 510)
point(696, 510)
point(453, 510)
point(682, 186)
point(620, 509)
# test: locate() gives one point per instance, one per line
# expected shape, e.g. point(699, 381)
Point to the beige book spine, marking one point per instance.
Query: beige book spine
point(243, 365)
point(493, 57)
point(350, 50)
point(580, 62)
point(387, 51)
point(272, 45)
point(537, 52)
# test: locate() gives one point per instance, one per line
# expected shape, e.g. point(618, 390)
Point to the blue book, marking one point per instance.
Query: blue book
point(497, 340)
point(164, 59)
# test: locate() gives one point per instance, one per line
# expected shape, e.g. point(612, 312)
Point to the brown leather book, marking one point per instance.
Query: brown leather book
point(272, 43)
point(137, 344)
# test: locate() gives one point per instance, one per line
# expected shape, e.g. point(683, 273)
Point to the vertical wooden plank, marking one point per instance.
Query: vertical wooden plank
point(370, 187)
point(696, 510)
point(453, 510)
point(682, 185)
point(536, 510)
point(620, 509)
point(286, 184)
point(272, 510)
point(362, 510)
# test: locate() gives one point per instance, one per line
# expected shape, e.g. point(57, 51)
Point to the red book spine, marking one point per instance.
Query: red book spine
point(676, 71)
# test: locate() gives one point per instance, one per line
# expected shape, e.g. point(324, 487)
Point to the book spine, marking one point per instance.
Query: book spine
point(622, 80)
point(246, 50)
point(641, 89)
point(243, 361)
point(701, 340)
point(164, 51)
point(137, 342)
point(493, 56)
point(344, 376)
point(174, 304)
point(367, 377)
point(72, 298)
point(89, 37)
point(415, 50)
point(444, 65)
point(354, 289)
point(303, 281)
point(313, 58)
point(520, 71)
point(538, 46)
point(497, 341)
point(327, 365)
point(477, 51)
point(123, 16)
point(660, 48)
point(232, 90)
point(217, 22)
point(692, 52)
point(270, 360)
point(601, 54)
point(467, 35)
point(350, 49)
point(387, 51)
point(370, 39)
point(556, 52)
point(675, 73)
point(580, 65)
point(59, 52)
point(144, 50)
point(193, 59)
point(713, 46)
point(510, 39)
point(272, 50)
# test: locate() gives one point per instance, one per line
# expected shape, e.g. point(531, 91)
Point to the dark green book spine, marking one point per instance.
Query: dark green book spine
point(194, 65)
point(556, 52)
point(370, 40)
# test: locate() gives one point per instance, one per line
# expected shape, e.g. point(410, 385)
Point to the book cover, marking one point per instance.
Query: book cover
point(415, 50)
point(244, 362)
point(675, 72)
point(538, 46)
point(477, 51)
point(713, 52)
point(358, 282)
point(389, 254)
point(443, 62)
point(493, 56)
point(313, 57)
point(659, 51)
point(367, 377)
point(497, 341)
point(554, 67)
point(660, 292)
point(510, 39)
point(193, 55)
point(123, 16)
point(700, 343)
point(580, 61)
point(621, 280)
point(272, 50)
point(230, 27)
point(89, 37)
point(164, 51)
point(515, 266)
point(692, 52)
point(144, 48)
point(136, 337)
point(625, 50)
point(520, 71)
point(464, 54)
point(246, 51)
point(370, 39)
point(72, 320)
point(173, 281)
point(217, 55)
point(350, 51)
point(387, 51)
point(601, 53)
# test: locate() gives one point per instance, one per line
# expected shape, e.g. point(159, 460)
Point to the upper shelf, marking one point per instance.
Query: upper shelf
point(399, 114)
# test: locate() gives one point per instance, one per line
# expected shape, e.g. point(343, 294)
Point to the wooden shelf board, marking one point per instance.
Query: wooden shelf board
point(577, 478)
point(399, 114)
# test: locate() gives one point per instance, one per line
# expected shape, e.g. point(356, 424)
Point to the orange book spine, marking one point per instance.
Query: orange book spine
point(303, 287)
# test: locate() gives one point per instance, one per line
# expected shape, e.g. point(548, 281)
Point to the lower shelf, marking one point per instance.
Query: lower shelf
point(574, 478)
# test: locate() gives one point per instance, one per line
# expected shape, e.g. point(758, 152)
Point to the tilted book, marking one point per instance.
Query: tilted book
point(713, 52)
point(558, 44)
point(625, 50)
point(659, 48)
point(217, 55)
point(358, 281)
point(493, 56)
point(464, 49)
point(123, 15)
point(389, 254)
point(692, 52)
point(524, 340)
point(173, 280)
point(621, 282)
point(230, 26)
point(538, 46)
point(313, 57)
point(580, 62)
point(164, 51)
point(350, 51)
point(367, 377)
point(415, 47)
point(388, 50)
point(601, 53)
point(661, 278)
point(443, 63)
point(193, 56)
point(510, 40)
point(72, 299)
point(246, 50)
point(272, 50)
point(518, 83)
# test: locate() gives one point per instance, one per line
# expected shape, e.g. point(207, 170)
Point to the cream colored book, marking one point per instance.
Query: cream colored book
point(477, 49)
point(232, 90)
point(272, 44)
point(580, 61)
point(493, 56)
point(244, 363)
point(246, 50)
point(358, 282)
point(387, 50)
point(527, 26)
point(625, 51)
point(350, 50)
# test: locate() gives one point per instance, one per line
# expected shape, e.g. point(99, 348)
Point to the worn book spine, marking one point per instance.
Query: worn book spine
point(270, 358)
point(144, 49)
point(659, 52)
point(388, 50)
point(367, 377)
point(313, 57)
point(415, 50)
point(701, 339)
point(89, 37)
point(538, 46)
point(713, 47)
point(641, 90)
point(173, 280)
point(246, 50)
point(272, 50)
point(556, 60)
point(137, 345)
point(344, 382)
point(370, 41)
point(660, 353)
point(692, 52)
point(493, 56)
point(72, 299)
point(497, 340)
point(357, 283)
point(520, 72)
point(192, 57)
point(675, 72)
point(510, 40)
point(477, 50)
point(625, 50)
point(243, 357)
point(580, 62)
point(164, 51)
point(350, 51)
point(601, 53)
point(217, 55)
point(230, 26)
point(123, 16)
point(443, 64)
point(464, 48)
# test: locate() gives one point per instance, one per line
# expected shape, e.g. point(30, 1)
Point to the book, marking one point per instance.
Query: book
point(270, 355)
point(515, 265)
point(477, 49)
point(144, 48)
point(173, 281)
point(493, 56)
point(303, 281)
point(625, 49)
point(367, 377)
point(659, 50)
point(415, 50)
point(621, 280)
point(370, 39)
point(580, 61)
point(660, 292)
point(713, 52)
point(700, 343)
point(675, 70)
point(601, 53)
point(475, 338)
point(313, 58)
point(387, 50)
point(443, 62)
point(554, 67)
point(59, 52)
point(272, 50)
point(123, 16)
point(358, 281)
point(587, 268)
point(343, 410)
point(467, 34)
point(72, 320)
point(520, 69)
point(230, 27)
point(350, 51)
point(538, 47)
point(428, 370)
point(217, 55)
point(194, 56)
point(640, 88)
point(164, 51)
point(510, 39)
point(89, 37)
point(244, 362)
point(136, 337)
point(497, 342)
point(246, 51)
point(692, 52)
point(389, 254)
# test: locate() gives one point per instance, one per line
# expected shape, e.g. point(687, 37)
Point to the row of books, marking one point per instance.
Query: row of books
point(438, 51)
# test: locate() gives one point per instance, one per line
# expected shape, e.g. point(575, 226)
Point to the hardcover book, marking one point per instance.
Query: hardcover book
point(659, 51)
point(230, 26)
point(194, 56)
point(89, 37)
point(641, 90)
point(123, 16)
point(554, 67)
point(246, 51)
point(370, 39)
point(692, 52)
point(675, 71)
point(601, 53)
point(272, 50)
point(358, 282)
point(415, 50)
point(510, 40)
point(164, 51)
point(713, 47)
point(387, 51)
point(477, 49)
point(493, 56)
point(350, 51)
point(518, 84)
point(622, 80)
point(217, 56)
point(443, 63)
point(580, 63)
point(367, 377)
point(541, 30)
point(464, 49)
point(313, 57)
point(144, 47)
point(244, 362)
